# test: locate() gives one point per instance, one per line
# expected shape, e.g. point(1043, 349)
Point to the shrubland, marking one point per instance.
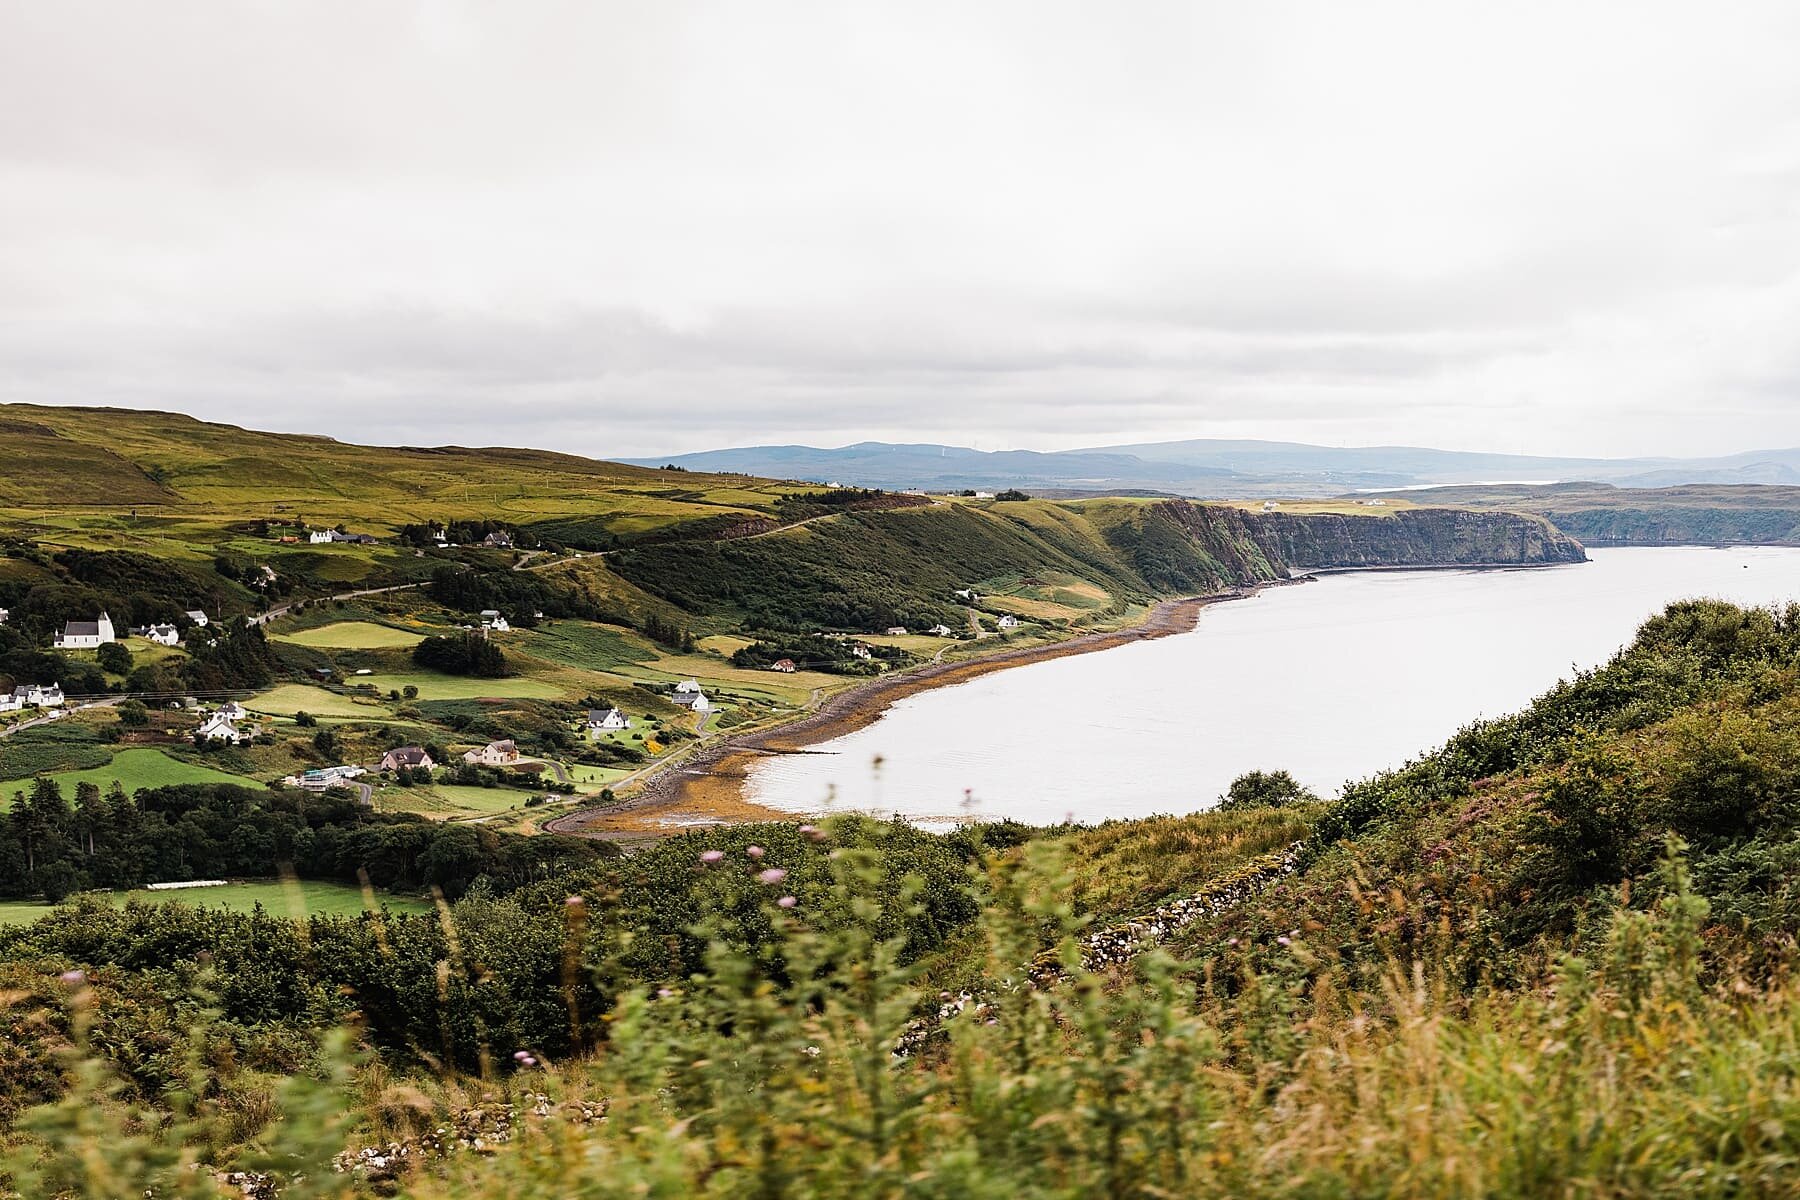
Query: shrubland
point(1553, 957)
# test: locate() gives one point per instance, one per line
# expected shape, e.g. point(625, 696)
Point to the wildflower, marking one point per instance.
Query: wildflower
point(773, 875)
point(1284, 940)
point(73, 978)
point(574, 902)
point(786, 902)
point(664, 993)
point(754, 851)
point(812, 1052)
point(712, 856)
point(1232, 942)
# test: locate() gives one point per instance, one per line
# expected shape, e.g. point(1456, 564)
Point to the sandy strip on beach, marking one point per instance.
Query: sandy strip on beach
point(707, 787)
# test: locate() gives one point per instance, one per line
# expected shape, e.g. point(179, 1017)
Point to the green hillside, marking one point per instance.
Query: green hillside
point(1552, 958)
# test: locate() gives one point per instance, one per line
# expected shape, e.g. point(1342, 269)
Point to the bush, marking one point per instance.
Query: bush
point(114, 658)
point(1264, 789)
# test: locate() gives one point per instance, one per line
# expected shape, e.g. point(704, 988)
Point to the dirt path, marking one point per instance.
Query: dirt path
point(707, 784)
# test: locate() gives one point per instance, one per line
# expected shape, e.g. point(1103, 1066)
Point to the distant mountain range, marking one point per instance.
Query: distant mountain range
point(1218, 468)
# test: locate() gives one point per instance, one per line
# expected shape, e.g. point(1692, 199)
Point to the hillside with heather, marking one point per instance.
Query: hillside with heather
point(1551, 957)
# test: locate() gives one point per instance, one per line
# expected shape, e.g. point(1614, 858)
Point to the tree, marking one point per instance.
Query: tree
point(1264, 789)
point(465, 654)
point(133, 713)
point(114, 658)
point(325, 741)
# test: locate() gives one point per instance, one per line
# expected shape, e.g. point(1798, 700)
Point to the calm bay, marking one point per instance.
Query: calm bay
point(1332, 680)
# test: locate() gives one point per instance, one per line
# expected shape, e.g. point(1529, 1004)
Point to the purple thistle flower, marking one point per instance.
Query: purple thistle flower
point(754, 851)
point(1284, 940)
point(772, 876)
point(710, 857)
point(574, 902)
point(664, 993)
point(73, 978)
point(786, 902)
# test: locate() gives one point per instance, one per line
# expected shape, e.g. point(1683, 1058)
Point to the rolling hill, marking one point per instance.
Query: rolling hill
point(1222, 468)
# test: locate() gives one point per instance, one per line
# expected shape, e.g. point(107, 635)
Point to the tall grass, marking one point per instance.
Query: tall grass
point(1642, 1071)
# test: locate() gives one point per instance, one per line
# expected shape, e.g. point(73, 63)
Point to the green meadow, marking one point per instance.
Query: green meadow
point(310, 897)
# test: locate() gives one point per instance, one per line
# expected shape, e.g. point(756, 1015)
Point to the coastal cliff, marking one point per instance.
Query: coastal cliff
point(1423, 537)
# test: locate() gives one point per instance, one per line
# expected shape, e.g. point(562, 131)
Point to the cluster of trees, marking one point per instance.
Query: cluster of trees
point(51, 847)
point(133, 588)
point(814, 653)
point(230, 658)
point(668, 633)
point(463, 533)
point(652, 918)
point(520, 595)
point(467, 653)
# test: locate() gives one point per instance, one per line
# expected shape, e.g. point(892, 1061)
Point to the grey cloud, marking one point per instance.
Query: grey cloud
point(629, 229)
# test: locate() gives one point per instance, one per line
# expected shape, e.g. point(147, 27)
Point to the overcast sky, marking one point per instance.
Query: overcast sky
point(650, 227)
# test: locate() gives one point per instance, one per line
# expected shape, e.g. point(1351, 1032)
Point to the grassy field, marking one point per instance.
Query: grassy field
point(314, 897)
point(447, 800)
point(286, 699)
point(1339, 507)
point(138, 767)
point(586, 646)
point(433, 686)
point(353, 635)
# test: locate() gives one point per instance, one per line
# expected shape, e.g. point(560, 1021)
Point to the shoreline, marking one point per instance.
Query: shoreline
point(708, 784)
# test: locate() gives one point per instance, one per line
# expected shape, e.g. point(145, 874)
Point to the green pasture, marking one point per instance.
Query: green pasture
point(353, 635)
point(316, 898)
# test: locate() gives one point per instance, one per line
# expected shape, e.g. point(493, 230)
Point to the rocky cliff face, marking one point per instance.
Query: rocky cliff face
point(1182, 546)
point(1420, 537)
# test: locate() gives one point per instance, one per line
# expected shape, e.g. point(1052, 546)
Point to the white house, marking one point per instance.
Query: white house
point(320, 537)
point(494, 754)
point(220, 727)
point(10, 702)
point(492, 620)
point(896, 631)
point(1008, 621)
point(941, 630)
point(196, 616)
point(984, 495)
point(231, 710)
point(38, 695)
point(601, 720)
point(688, 695)
point(498, 540)
point(162, 635)
point(1270, 506)
point(858, 650)
point(5, 616)
point(784, 665)
point(86, 635)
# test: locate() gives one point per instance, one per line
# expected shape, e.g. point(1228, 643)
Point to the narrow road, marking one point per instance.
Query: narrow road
point(60, 713)
point(275, 614)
